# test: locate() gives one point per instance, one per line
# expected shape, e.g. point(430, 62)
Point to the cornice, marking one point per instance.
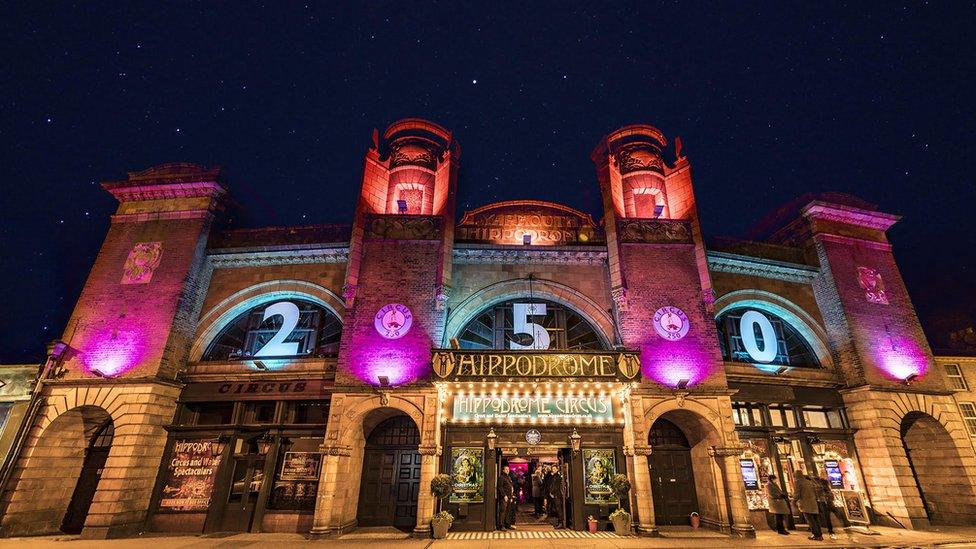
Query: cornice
point(850, 215)
point(764, 268)
point(126, 191)
point(520, 255)
point(230, 260)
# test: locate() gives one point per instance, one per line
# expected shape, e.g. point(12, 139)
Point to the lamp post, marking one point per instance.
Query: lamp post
point(575, 440)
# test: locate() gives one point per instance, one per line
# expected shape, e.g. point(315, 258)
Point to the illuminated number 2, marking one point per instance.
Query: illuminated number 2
point(522, 312)
point(748, 332)
point(289, 319)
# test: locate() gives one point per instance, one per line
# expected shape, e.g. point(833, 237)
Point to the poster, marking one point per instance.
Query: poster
point(600, 466)
point(834, 475)
point(468, 474)
point(301, 466)
point(854, 504)
point(190, 475)
point(749, 474)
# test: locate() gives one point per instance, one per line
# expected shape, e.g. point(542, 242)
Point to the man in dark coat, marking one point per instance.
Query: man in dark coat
point(825, 501)
point(546, 483)
point(504, 496)
point(779, 504)
point(556, 495)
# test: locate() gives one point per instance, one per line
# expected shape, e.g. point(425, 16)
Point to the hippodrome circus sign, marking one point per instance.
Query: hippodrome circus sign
point(534, 407)
point(457, 365)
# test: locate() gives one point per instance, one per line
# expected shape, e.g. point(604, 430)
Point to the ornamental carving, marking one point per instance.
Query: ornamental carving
point(655, 231)
point(413, 152)
point(142, 262)
point(642, 158)
point(872, 284)
point(404, 227)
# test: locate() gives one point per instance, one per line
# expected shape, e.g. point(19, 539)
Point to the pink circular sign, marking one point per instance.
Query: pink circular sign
point(671, 323)
point(393, 321)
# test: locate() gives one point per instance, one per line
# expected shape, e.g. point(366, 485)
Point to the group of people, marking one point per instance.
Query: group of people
point(548, 495)
point(813, 496)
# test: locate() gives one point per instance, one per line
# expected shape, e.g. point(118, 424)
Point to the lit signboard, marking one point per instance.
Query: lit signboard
point(533, 407)
point(477, 365)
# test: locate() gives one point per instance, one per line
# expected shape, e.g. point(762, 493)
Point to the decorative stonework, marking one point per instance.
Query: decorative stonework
point(465, 255)
point(288, 257)
point(639, 157)
point(619, 296)
point(414, 152)
point(442, 294)
point(654, 231)
point(739, 264)
point(872, 284)
point(404, 227)
point(142, 262)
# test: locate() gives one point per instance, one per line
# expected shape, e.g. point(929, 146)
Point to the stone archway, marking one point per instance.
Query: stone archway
point(351, 419)
point(44, 485)
point(938, 470)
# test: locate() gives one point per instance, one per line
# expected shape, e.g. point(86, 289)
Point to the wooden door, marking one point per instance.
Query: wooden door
point(91, 472)
point(672, 475)
point(391, 475)
point(246, 481)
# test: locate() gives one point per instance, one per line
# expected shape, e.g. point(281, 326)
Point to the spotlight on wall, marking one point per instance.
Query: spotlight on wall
point(402, 206)
point(455, 344)
point(682, 384)
point(260, 366)
point(910, 378)
point(98, 373)
point(658, 210)
point(384, 381)
point(526, 239)
point(782, 370)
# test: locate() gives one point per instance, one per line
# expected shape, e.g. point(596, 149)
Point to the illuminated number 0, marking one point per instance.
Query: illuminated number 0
point(522, 312)
point(289, 319)
point(748, 333)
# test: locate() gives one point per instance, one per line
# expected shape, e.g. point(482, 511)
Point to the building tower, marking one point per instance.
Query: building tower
point(396, 287)
point(662, 294)
point(109, 387)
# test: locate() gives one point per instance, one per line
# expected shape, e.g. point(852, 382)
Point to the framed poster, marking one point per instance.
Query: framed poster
point(190, 475)
point(301, 466)
point(857, 513)
point(749, 476)
point(468, 474)
point(834, 474)
point(599, 467)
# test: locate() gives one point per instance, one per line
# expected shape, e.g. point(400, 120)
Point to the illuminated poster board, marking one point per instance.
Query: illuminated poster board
point(834, 474)
point(749, 476)
point(468, 474)
point(600, 466)
point(190, 475)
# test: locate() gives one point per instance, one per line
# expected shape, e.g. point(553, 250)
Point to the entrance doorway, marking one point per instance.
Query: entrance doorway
point(530, 477)
point(939, 472)
point(391, 475)
point(246, 482)
point(91, 472)
point(672, 476)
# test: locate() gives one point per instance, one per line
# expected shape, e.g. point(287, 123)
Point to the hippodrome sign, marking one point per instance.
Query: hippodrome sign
point(544, 223)
point(534, 407)
point(459, 365)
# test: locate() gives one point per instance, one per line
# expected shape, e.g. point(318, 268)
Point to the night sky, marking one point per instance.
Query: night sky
point(770, 100)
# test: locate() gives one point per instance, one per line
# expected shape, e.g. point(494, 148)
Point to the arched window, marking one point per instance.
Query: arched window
point(529, 324)
point(291, 328)
point(760, 337)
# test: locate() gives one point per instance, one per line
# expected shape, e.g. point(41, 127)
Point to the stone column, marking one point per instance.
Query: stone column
point(735, 492)
point(429, 456)
point(643, 498)
point(323, 524)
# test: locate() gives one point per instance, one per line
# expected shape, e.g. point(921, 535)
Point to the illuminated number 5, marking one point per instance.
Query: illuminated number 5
point(277, 346)
point(748, 331)
point(522, 312)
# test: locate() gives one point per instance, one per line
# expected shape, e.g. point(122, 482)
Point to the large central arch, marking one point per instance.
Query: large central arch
point(938, 470)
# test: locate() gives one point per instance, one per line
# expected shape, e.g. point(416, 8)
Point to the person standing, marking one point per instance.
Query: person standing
point(546, 483)
point(537, 490)
point(779, 504)
point(825, 501)
point(805, 495)
point(505, 496)
point(556, 496)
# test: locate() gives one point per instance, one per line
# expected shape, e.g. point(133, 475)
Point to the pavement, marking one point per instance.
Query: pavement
point(947, 537)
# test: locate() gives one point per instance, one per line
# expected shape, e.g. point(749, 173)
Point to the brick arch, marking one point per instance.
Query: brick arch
point(801, 320)
point(551, 290)
point(232, 306)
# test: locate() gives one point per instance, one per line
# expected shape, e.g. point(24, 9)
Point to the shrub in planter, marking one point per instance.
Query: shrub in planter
point(440, 524)
point(621, 522)
point(620, 485)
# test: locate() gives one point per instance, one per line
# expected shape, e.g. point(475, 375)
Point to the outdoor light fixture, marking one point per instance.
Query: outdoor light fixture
point(264, 444)
point(402, 206)
point(575, 440)
point(783, 447)
point(492, 438)
point(819, 446)
point(99, 373)
point(526, 239)
point(682, 384)
point(658, 210)
point(384, 381)
point(910, 378)
point(782, 370)
point(260, 365)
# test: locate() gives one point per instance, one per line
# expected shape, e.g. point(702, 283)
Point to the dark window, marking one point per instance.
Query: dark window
point(305, 412)
point(792, 348)
point(494, 328)
point(262, 411)
point(316, 333)
point(296, 474)
point(666, 434)
point(207, 413)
